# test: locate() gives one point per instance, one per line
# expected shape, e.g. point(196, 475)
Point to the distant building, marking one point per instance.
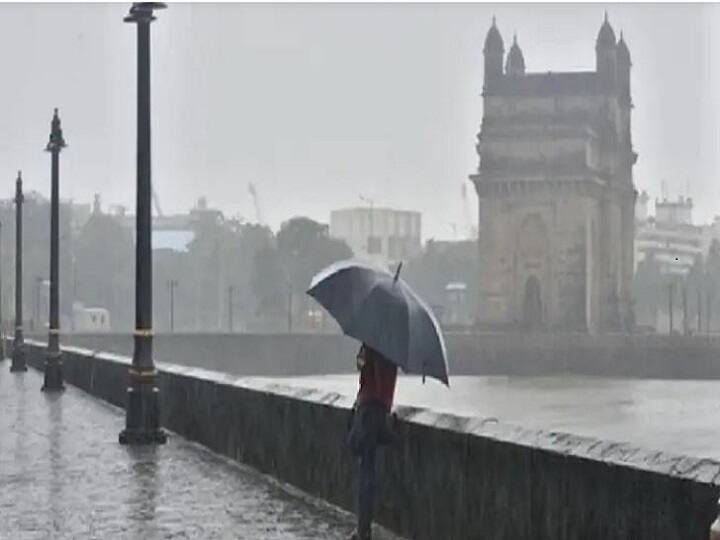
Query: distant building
point(383, 235)
point(203, 214)
point(556, 193)
point(669, 236)
point(175, 232)
point(456, 310)
point(172, 240)
point(641, 207)
point(710, 232)
point(90, 319)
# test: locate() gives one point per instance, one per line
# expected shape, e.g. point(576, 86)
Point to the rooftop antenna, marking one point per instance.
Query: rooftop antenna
point(663, 190)
point(156, 203)
point(259, 217)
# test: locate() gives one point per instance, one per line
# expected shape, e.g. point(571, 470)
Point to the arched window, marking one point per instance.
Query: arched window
point(532, 304)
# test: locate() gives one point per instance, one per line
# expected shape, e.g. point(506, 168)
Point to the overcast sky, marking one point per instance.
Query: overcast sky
point(317, 104)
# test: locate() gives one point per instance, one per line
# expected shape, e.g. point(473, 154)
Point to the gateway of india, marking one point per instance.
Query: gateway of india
point(556, 193)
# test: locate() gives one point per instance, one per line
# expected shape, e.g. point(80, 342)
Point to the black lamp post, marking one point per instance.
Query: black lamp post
point(172, 285)
point(231, 290)
point(53, 358)
point(18, 357)
point(290, 308)
point(35, 319)
point(142, 420)
point(2, 326)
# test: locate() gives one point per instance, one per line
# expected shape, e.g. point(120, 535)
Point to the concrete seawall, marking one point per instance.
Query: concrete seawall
point(447, 478)
point(650, 356)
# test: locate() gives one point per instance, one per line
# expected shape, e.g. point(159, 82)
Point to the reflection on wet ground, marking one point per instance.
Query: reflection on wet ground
point(63, 475)
point(676, 416)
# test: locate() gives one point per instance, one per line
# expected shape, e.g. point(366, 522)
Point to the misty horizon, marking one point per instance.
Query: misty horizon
point(319, 104)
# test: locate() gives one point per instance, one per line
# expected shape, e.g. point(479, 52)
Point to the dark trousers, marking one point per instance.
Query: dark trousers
point(366, 492)
point(368, 430)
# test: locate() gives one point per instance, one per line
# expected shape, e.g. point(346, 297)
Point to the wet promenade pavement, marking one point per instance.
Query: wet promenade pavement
point(678, 416)
point(63, 475)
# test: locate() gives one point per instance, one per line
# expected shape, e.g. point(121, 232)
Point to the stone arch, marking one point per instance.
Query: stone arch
point(591, 256)
point(532, 279)
point(532, 304)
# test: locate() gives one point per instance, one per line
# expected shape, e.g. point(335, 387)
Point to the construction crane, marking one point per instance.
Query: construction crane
point(470, 230)
point(156, 203)
point(256, 202)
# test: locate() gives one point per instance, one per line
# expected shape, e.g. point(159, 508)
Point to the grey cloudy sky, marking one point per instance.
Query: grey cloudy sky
point(319, 103)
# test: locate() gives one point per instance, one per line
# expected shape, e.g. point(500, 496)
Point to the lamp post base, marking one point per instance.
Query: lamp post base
point(142, 423)
point(134, 438)
point(53, 373)
point(18, 360)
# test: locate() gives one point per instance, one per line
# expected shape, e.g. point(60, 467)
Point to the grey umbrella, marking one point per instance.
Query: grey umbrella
point(382, 311)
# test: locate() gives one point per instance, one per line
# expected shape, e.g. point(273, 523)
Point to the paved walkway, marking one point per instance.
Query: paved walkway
point(63, 475)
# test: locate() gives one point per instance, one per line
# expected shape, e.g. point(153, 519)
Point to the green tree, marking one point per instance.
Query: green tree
point(105, 268)
point(305, 248)
point(222, 255)
point(208, 256)
point(269, 285)
point(36, 258)
point(170, 265)
point(439, 264)
point(253, 239)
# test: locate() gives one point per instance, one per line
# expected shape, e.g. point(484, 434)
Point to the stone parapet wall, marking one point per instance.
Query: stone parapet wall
point(447, 478)
point(642, 356)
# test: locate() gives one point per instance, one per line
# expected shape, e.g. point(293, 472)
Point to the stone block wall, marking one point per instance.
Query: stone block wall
point(447, 478)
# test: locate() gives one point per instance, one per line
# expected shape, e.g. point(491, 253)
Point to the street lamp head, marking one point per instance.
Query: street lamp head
point(56, 142)
point(142, 12)
point(18, 188)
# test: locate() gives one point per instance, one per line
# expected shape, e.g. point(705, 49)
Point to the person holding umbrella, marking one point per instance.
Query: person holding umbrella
point(397, 330)
point(369, 427)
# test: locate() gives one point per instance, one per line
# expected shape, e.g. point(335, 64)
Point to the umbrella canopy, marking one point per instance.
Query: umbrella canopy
point(382, 311)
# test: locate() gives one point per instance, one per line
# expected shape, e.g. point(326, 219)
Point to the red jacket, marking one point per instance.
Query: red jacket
point(377, 379)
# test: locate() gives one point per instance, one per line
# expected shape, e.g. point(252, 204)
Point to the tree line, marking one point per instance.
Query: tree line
point(233, 276)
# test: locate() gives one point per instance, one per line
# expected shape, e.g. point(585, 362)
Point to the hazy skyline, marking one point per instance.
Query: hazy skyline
point(317, 104)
